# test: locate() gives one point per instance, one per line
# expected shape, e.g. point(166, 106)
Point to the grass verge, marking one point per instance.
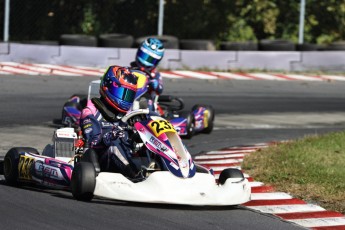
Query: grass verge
point(311, 168)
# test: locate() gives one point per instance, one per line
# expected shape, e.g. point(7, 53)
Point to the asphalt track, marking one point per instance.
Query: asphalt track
point(247, 112)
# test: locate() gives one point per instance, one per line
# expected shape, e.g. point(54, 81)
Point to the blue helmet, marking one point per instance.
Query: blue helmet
point(150, 53)
point(118, 87)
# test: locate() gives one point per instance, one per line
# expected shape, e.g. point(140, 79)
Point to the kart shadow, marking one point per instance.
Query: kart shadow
point(163, 206)
point(38, 189)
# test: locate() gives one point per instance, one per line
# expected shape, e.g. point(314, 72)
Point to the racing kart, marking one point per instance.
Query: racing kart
point(168, 172)
point(199, 119)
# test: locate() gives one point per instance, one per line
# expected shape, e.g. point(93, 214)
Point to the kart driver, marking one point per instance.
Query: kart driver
point(148, 56)
point(101, 123)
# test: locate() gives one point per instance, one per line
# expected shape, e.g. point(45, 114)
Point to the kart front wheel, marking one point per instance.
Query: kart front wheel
point(83, 181)
point(229, 173)
point(11, 161)
point(208, 117)
point(190, 126)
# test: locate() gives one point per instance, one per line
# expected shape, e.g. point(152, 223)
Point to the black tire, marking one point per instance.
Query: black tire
point(339, 45)
point(165, 98)
point(195, 44)
point(210, 119)
point(230, 173)
point(78, 40)
point(91, 156)
point(238, 46)
point(307, 47)
point(116, 40)
point(11, 161)
point(201, 169)
point(42, 42)
point(276, 45)
point(190, 124)
point(169, 42)
point(1, 166)
point(83, 181)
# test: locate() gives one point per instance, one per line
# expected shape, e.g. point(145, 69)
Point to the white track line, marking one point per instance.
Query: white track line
point(232, 76)
point(168, 75)
point(287, 208)
point(194, 74)
point(71, 70)
point(334, 77)
point(267, 76)
point(320, 222)
point(219, 156)
point(303, 77)
point(232, 151)
point(225, 161)
point(19, 71)
point(270, 196)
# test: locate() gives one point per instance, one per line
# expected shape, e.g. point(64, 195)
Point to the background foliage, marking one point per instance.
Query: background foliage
point(220, 20)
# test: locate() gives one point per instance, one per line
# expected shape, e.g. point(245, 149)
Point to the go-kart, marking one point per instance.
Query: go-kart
point(199, 119)
point(169, 174)
point(187, 123)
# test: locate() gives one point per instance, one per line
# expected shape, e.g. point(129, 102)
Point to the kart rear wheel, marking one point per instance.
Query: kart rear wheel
point(83, 181)
point(11, 162)
point(209, 119)
point(190, 126)
point(229, 173)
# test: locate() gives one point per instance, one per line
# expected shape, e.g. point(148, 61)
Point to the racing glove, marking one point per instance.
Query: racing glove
point(114, 134)
point(154, 84)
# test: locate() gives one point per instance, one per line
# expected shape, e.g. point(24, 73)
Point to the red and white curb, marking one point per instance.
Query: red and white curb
point(265, 199)
point(14, 68)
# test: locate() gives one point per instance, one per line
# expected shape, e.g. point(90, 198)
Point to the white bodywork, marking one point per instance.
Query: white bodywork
point(164, 187)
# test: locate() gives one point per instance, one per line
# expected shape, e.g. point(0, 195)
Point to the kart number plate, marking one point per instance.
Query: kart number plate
point(161, 126)
point(24, 166)
point(206, 115)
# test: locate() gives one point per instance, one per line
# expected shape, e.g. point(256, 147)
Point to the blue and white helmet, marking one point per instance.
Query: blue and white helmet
point(150, 53)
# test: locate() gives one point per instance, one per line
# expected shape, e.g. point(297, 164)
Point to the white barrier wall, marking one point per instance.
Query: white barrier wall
point(176, 59)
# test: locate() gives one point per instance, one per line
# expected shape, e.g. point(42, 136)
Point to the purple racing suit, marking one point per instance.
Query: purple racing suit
point(107, 137)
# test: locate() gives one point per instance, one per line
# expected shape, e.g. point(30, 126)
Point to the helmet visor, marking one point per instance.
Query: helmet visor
point(124, 94)
point(148, 58)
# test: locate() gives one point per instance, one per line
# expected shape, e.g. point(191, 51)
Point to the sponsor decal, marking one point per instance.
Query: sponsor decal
point(39, 168)
point(50, 173)
point(86, 121)
point(155, 142)
point(88, 130)
point(87, 126)
point(24, 167)
point(158, 144)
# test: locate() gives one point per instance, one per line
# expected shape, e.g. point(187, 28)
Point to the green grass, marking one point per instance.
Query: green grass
point(312, 168)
